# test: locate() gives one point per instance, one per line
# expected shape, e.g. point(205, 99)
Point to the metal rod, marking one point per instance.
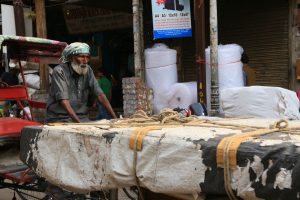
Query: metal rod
point(214, 58)
point(199, 12)
point(141, 12)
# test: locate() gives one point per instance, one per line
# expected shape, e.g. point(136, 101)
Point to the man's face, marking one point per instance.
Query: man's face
point(81, 58)
point(80, 62)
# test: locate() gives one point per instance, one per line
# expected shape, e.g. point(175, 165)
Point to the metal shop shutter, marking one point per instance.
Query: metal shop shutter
point(261, 28)
point(188, 59)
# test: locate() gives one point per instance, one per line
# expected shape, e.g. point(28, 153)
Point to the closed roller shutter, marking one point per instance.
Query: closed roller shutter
point(261, 28)
point(189, 60)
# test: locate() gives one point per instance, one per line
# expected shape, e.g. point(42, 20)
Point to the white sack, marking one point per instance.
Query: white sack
point(260, 101)
point(30, 91)
point(32, 80)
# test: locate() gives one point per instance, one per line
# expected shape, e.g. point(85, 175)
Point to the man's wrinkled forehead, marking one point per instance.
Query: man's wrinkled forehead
point(83, 55)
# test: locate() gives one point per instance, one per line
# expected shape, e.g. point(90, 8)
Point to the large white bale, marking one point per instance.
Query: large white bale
point(161, 68)
point(161, 72)
point(230, 68)
point(159, 55)
point(260, 101)
point(161, 79)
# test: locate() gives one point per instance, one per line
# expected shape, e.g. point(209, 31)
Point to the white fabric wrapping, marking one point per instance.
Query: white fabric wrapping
point(81, 158)
point(260, 101)
point(84, 158)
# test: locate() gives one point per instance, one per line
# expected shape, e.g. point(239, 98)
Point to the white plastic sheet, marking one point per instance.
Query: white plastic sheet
point(182, 95)
point(160, 55)
point(161, 76)
point(260, 101)
point(230, 68)
point(161, 72)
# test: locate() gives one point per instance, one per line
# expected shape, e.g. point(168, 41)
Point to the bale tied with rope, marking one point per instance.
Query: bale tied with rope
point(240, 158)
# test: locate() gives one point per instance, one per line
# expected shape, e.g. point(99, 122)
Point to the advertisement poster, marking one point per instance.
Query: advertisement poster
point(171, 18)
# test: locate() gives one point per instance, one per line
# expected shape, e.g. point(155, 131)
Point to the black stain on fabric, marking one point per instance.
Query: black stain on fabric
point(109, 136)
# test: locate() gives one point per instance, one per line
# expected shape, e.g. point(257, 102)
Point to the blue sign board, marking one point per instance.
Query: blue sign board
point(171, 18)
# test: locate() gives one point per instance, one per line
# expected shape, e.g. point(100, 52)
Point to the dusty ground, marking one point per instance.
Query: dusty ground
point(7, 194)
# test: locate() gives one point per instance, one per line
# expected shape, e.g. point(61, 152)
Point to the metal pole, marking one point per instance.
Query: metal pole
point(214, 58)
point(141, 18)
point(137, 39)
point(199, 12)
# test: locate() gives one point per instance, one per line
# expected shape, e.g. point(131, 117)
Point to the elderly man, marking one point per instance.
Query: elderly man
point(73, 84)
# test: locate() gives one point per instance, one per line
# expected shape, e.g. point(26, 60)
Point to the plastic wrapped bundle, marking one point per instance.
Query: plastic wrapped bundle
point(161, 72)
point(160, 63)
point(181, 95)
point(230, 68)
point(260, 101)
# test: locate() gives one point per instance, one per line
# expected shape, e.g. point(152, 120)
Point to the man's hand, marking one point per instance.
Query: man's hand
point(67, 106)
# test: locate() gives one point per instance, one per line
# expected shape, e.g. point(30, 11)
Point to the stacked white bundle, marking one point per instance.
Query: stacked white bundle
point(161, 76)
point(161, 72)
point(161, 69)
point(260, 101)
point(230, 68)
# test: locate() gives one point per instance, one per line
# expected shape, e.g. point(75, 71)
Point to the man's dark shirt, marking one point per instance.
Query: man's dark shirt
point(66, 84)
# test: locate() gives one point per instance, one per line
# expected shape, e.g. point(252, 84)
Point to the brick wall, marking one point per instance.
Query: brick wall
point(136, 96)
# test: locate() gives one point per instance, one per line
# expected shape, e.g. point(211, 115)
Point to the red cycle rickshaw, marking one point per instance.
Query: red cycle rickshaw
point(13, 173)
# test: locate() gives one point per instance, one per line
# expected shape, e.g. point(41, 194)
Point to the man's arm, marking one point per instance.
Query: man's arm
point(103, 100)
point(67, 106)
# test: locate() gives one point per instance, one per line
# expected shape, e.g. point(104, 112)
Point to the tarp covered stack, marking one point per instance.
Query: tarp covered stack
point(259, 159)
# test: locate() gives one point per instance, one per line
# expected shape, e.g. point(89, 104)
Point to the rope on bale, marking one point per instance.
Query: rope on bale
point(226, 150)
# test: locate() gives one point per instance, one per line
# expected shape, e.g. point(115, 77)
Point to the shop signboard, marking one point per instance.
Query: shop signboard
point(80, 19)
point(171, 18)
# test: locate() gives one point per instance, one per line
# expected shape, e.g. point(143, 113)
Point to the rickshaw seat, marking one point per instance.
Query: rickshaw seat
point(19, 93)
point(13, 93)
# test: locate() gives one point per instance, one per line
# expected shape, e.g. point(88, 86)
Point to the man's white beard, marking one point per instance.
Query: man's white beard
point(80, 69)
